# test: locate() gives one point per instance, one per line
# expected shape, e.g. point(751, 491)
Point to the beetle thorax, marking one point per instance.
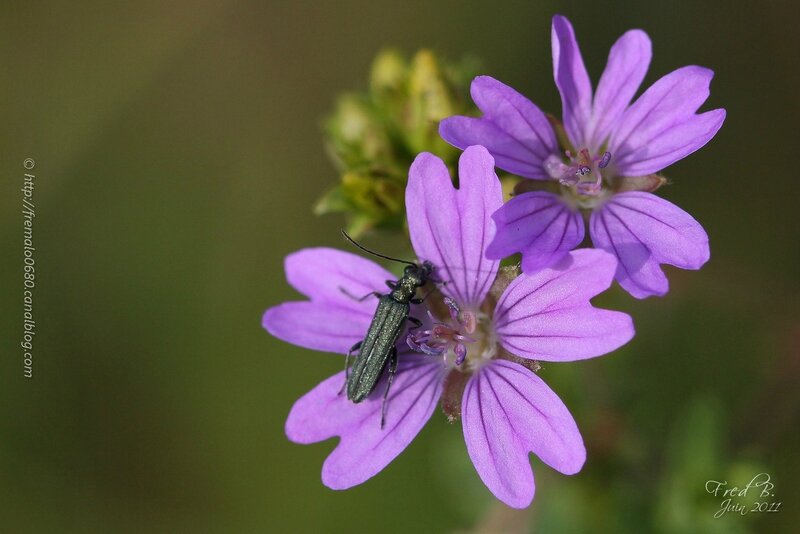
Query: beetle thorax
point(414, 277)
point(405, 289)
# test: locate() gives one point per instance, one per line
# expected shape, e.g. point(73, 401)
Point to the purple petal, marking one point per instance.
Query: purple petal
point(508, 412)
point(365, 449)
point(572, 81)
point(627, 64)
point(547, 315)
point(673, 144)
point(332, 321)
point(318, 325)
point(643, 231)
point(452, 227)
point(324, 274)
point(661, 127)
point(540, 226)
point(513, 129)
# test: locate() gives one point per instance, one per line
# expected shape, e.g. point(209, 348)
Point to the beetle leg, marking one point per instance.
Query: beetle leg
point(347, 364)
point(391, 284)
point(392, 372)
point(437, 282)
point(416, 322)
point(421, 300)
point(360, 299)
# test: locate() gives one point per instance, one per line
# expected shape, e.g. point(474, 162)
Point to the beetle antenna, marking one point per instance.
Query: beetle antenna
point(365, 249)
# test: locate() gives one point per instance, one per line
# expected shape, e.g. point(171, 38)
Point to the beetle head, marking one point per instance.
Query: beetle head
point(418, 274)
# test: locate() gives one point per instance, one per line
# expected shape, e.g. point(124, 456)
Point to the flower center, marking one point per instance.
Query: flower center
point(466, 341)
point(581, 173)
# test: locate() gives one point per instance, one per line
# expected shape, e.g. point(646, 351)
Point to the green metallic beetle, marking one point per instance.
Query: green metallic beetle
point(378, 348)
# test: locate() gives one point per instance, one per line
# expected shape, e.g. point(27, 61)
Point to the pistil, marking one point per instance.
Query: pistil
point(582, 172)
point(462, 339)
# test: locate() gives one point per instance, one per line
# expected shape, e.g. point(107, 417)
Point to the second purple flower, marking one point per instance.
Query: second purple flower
point(605, 162)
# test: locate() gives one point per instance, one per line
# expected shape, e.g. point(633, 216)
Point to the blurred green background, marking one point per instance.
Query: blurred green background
point(178, 154)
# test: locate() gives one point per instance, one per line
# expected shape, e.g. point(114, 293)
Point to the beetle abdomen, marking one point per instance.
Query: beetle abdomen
point(376, 348)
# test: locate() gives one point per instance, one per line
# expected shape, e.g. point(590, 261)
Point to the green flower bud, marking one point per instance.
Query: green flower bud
point(374, 137)
point(431, 99)
point(389, 74)
point(355, 135)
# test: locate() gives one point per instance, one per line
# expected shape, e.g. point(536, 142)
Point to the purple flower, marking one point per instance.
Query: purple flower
point(613, 150)
point(477, 350)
